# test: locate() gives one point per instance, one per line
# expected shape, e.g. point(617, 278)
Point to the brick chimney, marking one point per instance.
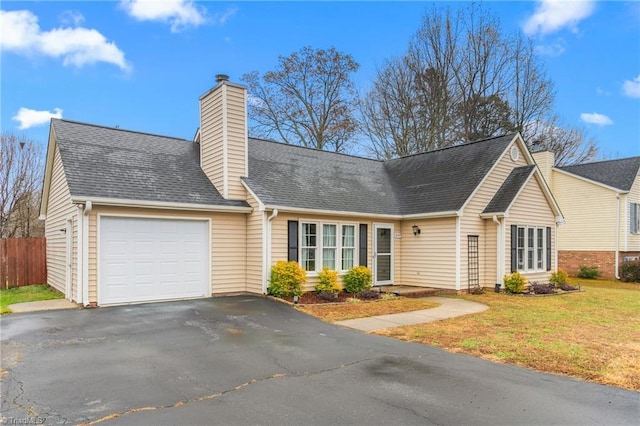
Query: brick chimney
point(223, 136)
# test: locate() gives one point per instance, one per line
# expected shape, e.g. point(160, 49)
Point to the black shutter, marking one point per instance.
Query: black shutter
point(292, 240)
point(363, 245)
point(548, 248)
point(514, 248)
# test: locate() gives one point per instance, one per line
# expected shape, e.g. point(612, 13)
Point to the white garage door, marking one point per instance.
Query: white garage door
point(143, 259)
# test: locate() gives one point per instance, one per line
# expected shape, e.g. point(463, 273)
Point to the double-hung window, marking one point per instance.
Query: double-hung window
point(309, 246)
point(634, 213)
point(531, 248)
point(327, 245)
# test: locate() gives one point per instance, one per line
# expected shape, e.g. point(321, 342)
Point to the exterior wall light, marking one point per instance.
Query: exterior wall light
point(416, 230)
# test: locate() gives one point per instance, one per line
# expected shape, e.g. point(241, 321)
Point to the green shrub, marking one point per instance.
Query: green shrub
point(327, 281)
point(357, 279)
point(514, 283)
point(287, 279)
point(589, 272)
point(630, 271)
point(559, 278)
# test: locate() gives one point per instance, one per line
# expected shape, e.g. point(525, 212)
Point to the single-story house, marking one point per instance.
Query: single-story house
point(135, 217)
point(601, 205)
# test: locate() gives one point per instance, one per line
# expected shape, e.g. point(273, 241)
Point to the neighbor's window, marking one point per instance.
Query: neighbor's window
point(634, 224)
point(309, 246)
point(348, 246)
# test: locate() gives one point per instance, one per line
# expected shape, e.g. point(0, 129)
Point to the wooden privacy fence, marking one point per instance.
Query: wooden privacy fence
point(23, 261)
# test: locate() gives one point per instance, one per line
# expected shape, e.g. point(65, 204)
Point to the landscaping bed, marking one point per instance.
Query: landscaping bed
point(313, 298)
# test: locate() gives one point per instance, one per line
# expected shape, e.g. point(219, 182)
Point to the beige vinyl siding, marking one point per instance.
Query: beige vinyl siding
point(428, 259)
point(211, 138)
point(59, 209)
point(531, 209)
point(472, 224)
point(213, 143)
point(228, 245)
point(632, 240)
point(237, 141)
point(256, 223)
point(279, 247)
point(545, 160)
point(589, 211)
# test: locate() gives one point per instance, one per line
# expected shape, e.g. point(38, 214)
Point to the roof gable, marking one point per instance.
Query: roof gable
point(509, 190)
point(619, 174)
point(108, 163)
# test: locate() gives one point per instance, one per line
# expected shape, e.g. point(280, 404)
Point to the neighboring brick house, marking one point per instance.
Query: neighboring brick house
point(600, 202)
point(133, 217)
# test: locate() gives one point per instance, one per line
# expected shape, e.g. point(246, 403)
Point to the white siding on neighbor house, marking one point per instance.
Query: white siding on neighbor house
point(531, 209)
point(589, 212)
point(59, 210)
point(228, 245)
point(472, 224)
point(428, 259)
point(256, 223)
point(279, 243)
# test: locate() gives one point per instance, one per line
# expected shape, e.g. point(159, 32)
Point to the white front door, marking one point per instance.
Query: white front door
point(383, 254)
point(148, 259)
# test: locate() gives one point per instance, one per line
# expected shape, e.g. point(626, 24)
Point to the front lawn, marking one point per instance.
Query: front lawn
point(345, 311)
point(29, 293)
point(593, 335)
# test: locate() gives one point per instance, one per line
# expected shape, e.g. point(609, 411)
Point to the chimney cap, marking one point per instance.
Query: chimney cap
point(221, 77)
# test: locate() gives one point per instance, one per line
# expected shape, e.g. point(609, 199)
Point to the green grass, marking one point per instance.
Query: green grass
point(29, 293)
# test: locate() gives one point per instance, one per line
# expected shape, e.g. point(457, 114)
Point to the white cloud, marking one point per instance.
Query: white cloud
point(30, 117)
point(631, 88)
point(602, 92)
point(221, 18)
point(553, 15)
point(553, 49)
point(21, 34)
point(179, 13)
point(71, 17)
point(595, 118)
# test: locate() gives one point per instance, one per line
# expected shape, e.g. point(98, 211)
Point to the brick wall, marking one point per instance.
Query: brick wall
point(570, 261)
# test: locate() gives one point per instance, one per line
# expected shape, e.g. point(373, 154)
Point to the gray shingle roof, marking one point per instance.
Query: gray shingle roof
point(114, 163)
point(436, 181)
point(443, 180)
point(293, 176)
point(509, 189)
point(619, 174)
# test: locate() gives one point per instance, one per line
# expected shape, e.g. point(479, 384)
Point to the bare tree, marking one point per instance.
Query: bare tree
point(309, 99)
point(462, 78)
point(569, 145)
point(20, 177)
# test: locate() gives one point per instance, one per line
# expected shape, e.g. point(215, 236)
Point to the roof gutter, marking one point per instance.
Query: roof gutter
point(116, 202)
point(452, 213)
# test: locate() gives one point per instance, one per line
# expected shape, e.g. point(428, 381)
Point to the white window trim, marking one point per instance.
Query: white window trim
point(525, 260)
point(320, 244)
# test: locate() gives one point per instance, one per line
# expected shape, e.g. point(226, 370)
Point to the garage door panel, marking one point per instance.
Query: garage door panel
point(143, 259)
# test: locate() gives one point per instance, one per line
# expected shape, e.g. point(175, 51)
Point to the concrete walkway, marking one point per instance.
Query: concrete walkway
point(449, 308)
point(43, 305)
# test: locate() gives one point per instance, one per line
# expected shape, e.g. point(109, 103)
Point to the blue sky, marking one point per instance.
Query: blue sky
point(143, 65)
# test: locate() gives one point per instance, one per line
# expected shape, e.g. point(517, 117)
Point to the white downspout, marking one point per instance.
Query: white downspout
point(267, 264)
point(79, 255)
point(499, 250)
point(85, 257)
point(616, 274)
point(458, 248)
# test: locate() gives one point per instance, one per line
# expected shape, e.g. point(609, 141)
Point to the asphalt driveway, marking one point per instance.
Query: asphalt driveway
point(248, 360)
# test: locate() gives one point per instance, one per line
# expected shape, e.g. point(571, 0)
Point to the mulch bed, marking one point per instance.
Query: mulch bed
point(311, 298)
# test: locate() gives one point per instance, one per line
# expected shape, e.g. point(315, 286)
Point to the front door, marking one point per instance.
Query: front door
point(383, 254)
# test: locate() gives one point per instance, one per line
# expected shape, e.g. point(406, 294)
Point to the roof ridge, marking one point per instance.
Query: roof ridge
point(121, 130)
point(602, 161)
point(315, 149)
point(455, 146)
